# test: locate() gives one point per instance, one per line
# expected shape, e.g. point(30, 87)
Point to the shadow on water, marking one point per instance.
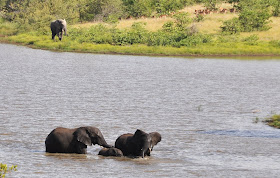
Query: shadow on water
point(244, 133)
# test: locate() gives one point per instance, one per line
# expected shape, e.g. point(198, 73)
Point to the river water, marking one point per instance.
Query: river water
point(205, 110)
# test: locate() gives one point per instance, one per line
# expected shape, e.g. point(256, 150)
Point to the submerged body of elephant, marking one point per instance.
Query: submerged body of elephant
point(110, 152)
point(64, 140)
point(57, 28)
point(138, 144)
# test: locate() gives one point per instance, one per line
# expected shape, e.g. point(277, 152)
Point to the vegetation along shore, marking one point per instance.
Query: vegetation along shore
point(147, 27)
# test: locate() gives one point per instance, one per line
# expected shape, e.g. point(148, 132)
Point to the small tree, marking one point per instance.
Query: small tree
point(211, 4)
point(254, 16)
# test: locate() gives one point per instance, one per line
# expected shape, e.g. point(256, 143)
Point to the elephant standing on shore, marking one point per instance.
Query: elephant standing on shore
point(57, 28)
point(64, 140)
point(138, 144)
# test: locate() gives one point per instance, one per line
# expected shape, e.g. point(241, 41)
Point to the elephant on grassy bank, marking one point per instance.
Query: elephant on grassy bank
point(57, 28)
point(64, 140)
point(138, 144)
point(110, 152)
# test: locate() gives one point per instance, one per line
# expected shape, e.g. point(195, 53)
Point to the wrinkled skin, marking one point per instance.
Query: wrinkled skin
point(57, 28)
point(138, 144)
point(64, 140)
point(110, 152)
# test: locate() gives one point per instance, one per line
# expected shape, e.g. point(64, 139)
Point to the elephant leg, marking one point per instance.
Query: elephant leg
point(59, 34)
point(53, 35)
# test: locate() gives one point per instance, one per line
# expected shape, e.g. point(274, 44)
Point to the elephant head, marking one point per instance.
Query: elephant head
point(89, 136)
point(155, 138)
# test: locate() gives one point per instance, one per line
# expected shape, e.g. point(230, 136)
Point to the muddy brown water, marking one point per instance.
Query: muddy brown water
point(205, 110)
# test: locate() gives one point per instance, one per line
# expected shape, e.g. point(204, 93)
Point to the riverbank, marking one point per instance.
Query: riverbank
point(207, 49)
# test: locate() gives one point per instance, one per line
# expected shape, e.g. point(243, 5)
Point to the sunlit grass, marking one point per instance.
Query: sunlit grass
point(214, 48)
point(273, 121)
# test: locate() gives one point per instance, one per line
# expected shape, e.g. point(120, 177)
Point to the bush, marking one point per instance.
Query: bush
point(231, 26)
point(136, 35)
point(273, 121)
point(254, 16)
point(251, 40)
point(4, 169)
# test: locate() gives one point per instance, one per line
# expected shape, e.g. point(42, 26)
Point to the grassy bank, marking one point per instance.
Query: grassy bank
point(273, 121)
point(207, 49)
point(146, 36)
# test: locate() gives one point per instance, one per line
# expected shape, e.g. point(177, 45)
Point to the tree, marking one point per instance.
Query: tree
point(254, 16)
point(211, 4)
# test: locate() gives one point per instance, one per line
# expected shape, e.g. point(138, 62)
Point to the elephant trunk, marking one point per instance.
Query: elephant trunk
point(145, 150)
point(106, 145)
point(103, 143)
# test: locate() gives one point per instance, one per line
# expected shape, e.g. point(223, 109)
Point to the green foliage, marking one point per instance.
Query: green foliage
point(273, 121)
point(4, 169)
point(254, 16)
point(231, 26)
point(254, 19)
point(182, 20)
point(251, 40)
point(98, 34)
point(8, 28)
point(136, 35)
point(211, 4)
point(107, 10)
point(198, 18)
point(167, 6)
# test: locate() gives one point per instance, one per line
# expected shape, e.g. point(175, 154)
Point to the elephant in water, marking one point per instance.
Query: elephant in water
point(138, 144)
point(57, 28)
point(110, 152)
point(64, 140)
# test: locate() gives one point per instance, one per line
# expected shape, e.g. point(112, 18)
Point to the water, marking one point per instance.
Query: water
point(205, 110)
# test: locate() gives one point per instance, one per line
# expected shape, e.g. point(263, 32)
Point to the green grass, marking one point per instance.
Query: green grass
point(273, 121)
point(207, 49)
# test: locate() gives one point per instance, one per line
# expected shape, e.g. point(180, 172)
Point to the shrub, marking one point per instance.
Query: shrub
point(4, 169)
point(273, 121)
point(231, 26)
point(251, 40)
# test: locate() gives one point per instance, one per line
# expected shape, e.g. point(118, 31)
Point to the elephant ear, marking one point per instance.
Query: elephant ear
point(81, 135)
point(155, 138)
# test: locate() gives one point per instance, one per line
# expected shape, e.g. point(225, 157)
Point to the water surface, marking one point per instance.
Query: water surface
point(205, 110)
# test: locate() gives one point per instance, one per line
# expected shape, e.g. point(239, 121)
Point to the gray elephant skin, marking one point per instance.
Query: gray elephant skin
point(138, 144)
point(57, 28)
point(110, 152)
point(64, 140)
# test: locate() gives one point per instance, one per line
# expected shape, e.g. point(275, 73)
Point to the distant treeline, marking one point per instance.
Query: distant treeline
point(41, 12)
point(88, 10)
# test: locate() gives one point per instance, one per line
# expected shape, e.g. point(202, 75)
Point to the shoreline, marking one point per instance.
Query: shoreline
point(6, 40)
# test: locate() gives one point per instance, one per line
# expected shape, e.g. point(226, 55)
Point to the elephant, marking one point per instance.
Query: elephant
point(57, 28)
point(64, 140)
point(138, 144)
point(110, 152)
